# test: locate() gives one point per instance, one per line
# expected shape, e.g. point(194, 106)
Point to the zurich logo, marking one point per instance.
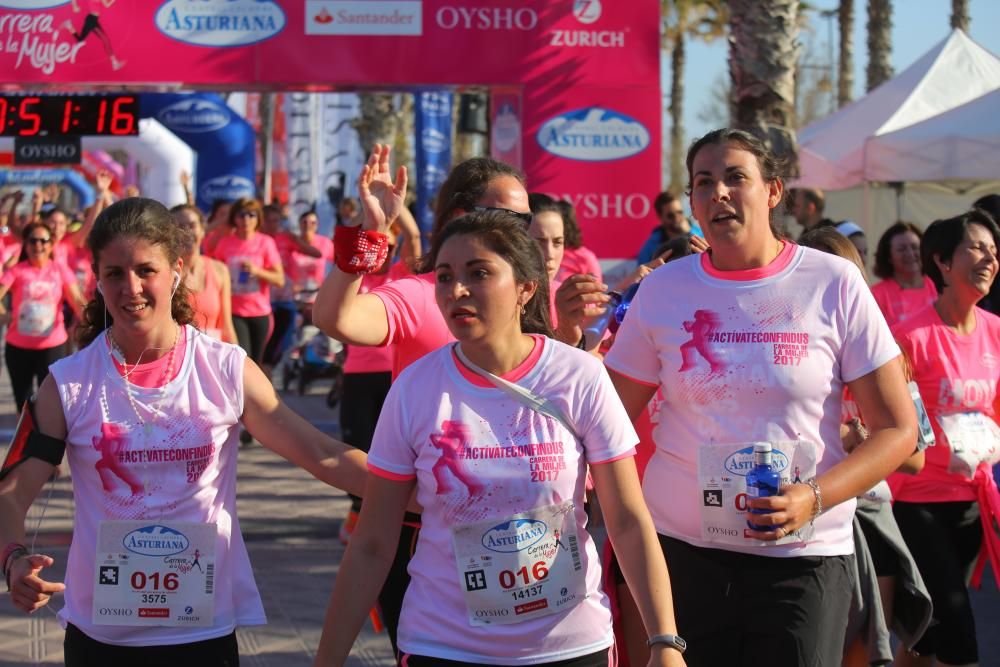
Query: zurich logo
point(433, 141)
point(587, 11)
point(593, 134)
point(156, 541)
point(194, 115)
point(220, 22)
point(513, 536)
point(740, 462)
point(228, 187)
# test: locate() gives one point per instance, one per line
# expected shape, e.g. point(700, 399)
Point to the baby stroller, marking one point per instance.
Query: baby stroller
point(313, 356)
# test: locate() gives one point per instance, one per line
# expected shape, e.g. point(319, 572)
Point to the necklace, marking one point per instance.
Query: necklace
point(146, 427)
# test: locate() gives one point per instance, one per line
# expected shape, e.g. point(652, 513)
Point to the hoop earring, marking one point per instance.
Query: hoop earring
point(523, 310)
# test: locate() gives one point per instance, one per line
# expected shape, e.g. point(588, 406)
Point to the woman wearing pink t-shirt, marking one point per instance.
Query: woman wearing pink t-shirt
point(254, 266)
point(36, 333)
point(504, 572)
point(752, 344)
point(945, 511)
point(147, 415)
point(904, 289)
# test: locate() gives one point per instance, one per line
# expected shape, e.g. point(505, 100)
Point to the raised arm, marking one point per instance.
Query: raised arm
point(103, 200)
point(340, 311)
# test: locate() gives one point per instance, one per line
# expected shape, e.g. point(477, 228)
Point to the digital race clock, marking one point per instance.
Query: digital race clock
point(68, 115)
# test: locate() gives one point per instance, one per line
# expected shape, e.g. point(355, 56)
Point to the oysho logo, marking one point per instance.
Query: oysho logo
point(194, 115)
point(512, 536)
point(433, 141)
point(587, 11)
point(156, 541)
point(486, 18)
point(229, 187)
point(114, 611)
point(593, 134)
point(223, 23)
point(740, 462)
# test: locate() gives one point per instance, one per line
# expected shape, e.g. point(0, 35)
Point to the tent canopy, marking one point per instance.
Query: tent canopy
point(833, 153)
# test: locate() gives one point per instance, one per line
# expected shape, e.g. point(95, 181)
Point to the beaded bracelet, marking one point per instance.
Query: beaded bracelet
point(818, 495)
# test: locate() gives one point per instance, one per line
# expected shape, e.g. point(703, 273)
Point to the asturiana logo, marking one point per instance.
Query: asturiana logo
point(220, 22)
point(593, 134)
point(512, 536)
point(194, 115)
point(741, 461)
point(156, 541)
point(229, 187)
point(433, 141)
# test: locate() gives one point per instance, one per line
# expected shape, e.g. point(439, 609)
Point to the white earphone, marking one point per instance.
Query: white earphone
point(100, 290)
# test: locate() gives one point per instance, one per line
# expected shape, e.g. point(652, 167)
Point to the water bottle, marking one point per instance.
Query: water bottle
point(622, 308)
point(594, 332)
point(762, 480)
point(244, 276)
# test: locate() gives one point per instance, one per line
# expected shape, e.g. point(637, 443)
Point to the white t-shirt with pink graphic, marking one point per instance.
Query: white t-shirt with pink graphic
point(477, 455)
point(183, 471)
point(955, 373)
point(37, 295)
point(742, 356)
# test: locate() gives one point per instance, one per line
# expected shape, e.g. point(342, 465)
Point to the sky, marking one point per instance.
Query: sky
point(917, 26)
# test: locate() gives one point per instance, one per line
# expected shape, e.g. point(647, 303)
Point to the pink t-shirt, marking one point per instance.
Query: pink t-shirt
point(365, 358)
point(743, 356)
point(416, 326)
point(897, 304)
point(251, 296)
point(184, 470)
point(954, 373)
point(307, 272)
point(579, 260)
point(285, 244)
point(475, 453)
point(37, 296)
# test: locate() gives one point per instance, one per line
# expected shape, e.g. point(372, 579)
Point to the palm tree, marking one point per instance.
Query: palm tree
point(763, 52)
point(845, 64)
point(378, 122)
point(879, 43)
point(960, 15)
point(704, 19)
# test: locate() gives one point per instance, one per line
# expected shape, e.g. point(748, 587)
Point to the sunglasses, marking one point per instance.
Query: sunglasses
point(246, 214)
point(523, 217)
point(36, 240)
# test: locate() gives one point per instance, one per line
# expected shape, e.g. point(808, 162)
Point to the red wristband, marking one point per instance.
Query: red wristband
point(359, 251)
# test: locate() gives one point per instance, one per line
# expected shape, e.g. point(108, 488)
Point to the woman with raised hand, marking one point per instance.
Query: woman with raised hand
point(752, 343)
point(505, 571)
point(904, 289)
point(147, 414)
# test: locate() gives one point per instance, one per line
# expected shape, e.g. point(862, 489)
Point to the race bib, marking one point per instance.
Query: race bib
point(722, 470)
point(973, 438)
point(522, 567)
point(154, 574)
point(36, 318)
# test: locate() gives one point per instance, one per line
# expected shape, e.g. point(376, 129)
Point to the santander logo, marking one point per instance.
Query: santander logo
point(323, 17)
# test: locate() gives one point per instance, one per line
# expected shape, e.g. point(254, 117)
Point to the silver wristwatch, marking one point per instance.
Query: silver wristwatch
point(673, 641)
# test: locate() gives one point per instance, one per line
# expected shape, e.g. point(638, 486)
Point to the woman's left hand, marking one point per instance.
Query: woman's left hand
point(665, 657)
point(790, 510)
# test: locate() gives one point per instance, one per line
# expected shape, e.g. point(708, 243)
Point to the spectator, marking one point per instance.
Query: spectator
point(807, 208)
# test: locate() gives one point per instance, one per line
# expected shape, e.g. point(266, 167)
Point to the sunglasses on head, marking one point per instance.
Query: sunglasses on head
point(523, 217)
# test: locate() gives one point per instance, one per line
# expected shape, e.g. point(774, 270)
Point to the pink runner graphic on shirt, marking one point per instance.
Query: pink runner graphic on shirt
point(453, 439)
point(110, 445)
point(705, 323)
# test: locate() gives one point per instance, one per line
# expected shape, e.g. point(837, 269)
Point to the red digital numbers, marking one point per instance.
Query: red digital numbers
point(122, 122)
point(31, 117)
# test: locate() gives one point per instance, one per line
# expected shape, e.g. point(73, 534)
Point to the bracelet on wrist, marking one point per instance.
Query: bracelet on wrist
point(817, 498)
point(11, 552)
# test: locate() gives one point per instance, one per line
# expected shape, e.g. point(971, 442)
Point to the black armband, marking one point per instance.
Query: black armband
point(29, 443)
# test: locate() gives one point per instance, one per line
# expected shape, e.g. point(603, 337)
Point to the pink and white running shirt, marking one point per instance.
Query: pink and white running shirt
point(741, 356)
point(307, 272)
point(475, 453)
point(897, 304)
point(955, 373)
point(187, 466)
point(252, 296)
point(37, 295)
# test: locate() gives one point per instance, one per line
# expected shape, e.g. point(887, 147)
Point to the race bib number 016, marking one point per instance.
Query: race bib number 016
point(522, 567)
point(154, 574)
point(722, 470)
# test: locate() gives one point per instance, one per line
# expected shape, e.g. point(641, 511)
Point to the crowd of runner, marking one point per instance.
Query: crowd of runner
point(491, 423)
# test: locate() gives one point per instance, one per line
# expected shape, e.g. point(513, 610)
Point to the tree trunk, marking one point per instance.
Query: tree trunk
point(845, 64)
point(879, 43)
point(378, 122)
point(678, 172)
point(960, 15)
point(763, 52)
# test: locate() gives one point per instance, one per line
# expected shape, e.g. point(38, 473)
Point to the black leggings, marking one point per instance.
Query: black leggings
point(27, 366)
point(364, 394)
point(944, 539)
point(282, 335)
point(251, 333)
point(79, 650)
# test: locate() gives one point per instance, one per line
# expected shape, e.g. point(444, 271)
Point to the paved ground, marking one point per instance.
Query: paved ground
point(290, 524)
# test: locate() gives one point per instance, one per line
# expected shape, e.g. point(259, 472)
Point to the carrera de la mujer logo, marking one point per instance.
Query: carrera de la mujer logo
point(515, 535)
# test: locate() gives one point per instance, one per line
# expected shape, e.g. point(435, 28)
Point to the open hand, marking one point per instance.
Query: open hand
point(381, 198)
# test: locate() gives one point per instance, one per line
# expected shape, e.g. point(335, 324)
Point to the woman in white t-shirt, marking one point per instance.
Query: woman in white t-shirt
point(505, 572)
point(148, 414)
point(753, 342)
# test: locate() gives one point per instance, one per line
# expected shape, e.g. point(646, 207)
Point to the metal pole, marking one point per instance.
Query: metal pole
point(267, 142)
